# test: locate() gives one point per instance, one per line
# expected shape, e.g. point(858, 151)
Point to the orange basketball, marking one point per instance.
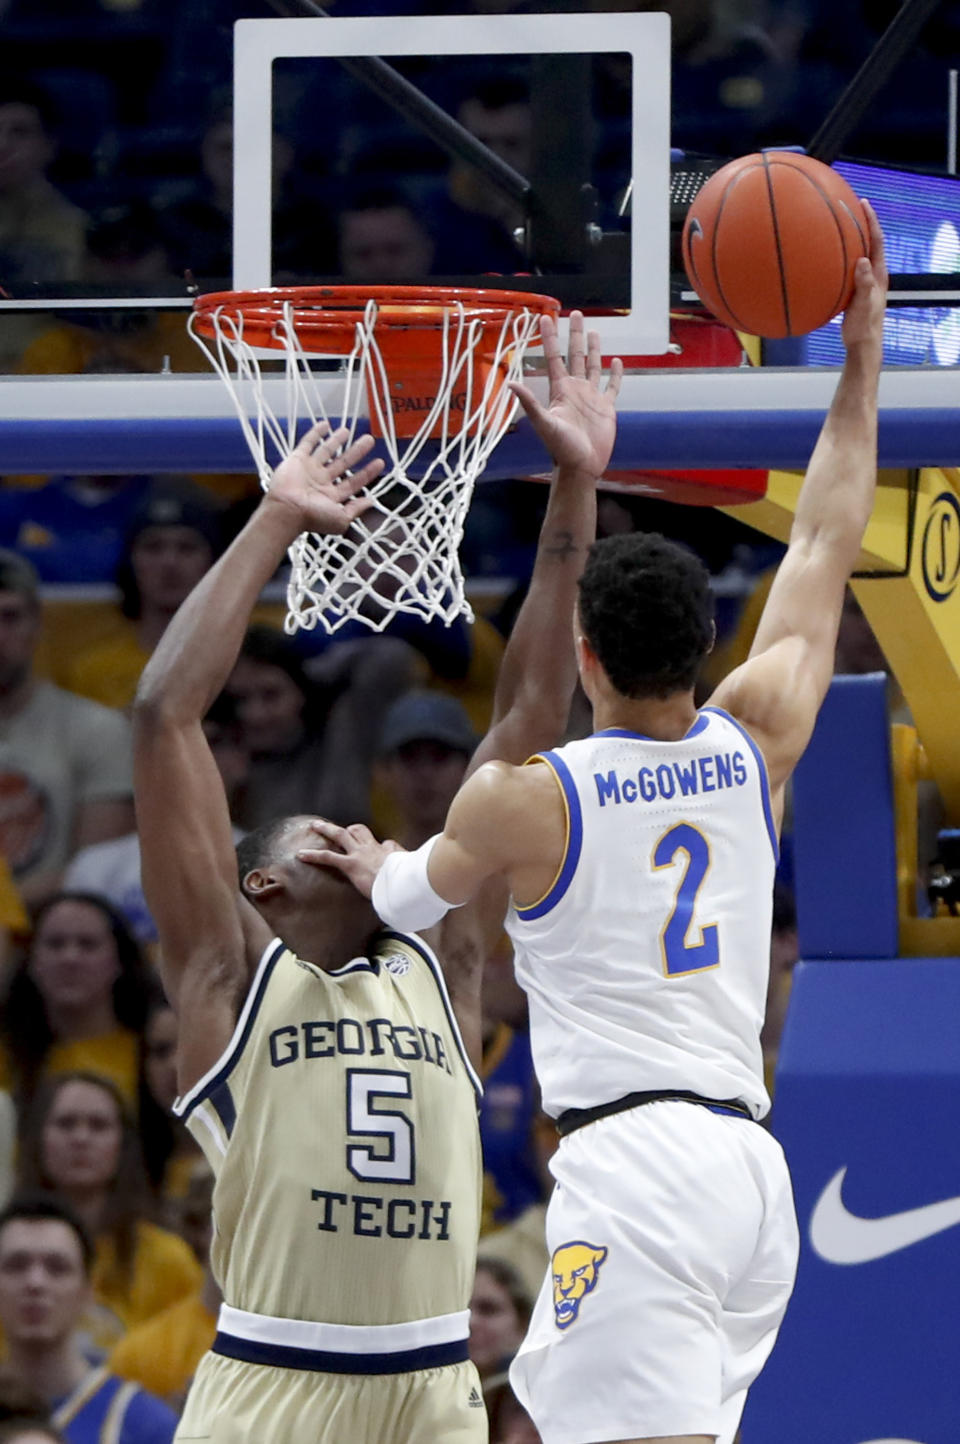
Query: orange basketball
point(771, 243)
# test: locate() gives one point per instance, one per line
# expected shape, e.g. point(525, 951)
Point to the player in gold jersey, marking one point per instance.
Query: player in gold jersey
point(327, 1066)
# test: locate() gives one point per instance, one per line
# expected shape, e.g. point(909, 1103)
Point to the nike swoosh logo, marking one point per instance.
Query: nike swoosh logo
point(842, 1237)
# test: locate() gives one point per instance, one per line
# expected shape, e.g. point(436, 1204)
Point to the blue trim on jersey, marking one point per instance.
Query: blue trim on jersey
point(433, 963)
point(696, 727)
point(221, 1100)
point(402, 1361)
point(357, 965)
point(574, 841)
point(764, 777)
point(221, 1071)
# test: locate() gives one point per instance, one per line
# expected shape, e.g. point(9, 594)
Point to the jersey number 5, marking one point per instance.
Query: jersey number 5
point(679, 954)
point(389, 1155)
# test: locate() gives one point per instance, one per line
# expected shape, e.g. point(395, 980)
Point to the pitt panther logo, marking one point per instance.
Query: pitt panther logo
point(576, 1268)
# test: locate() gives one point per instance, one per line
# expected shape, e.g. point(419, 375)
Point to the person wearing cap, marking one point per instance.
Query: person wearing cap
point(425, 745)
point(173, 539)
point(65, 767)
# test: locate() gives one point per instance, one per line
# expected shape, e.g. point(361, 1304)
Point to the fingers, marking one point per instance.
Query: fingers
point(323, 857)
point(594, 358)
point(526, 398)
point(576, 347)
point(878, 257)
point(556, 370)
point(614, 378)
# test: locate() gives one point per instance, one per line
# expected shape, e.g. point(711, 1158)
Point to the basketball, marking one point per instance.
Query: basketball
point(771, 243)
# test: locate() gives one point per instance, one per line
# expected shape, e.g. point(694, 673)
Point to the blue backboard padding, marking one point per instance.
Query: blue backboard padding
point(651, 440)
point(869, 1081)
point(845, 864)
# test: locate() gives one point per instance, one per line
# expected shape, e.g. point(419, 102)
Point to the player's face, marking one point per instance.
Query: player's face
point(160, 1057)
point(495, 1328)
point(19, 630)
point(73, 958)
point(168, 562)
point(81, 1138)
point(43, 1288)
point(269, 707)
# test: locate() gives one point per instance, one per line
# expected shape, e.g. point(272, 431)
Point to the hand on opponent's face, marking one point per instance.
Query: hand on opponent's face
point(353, 851)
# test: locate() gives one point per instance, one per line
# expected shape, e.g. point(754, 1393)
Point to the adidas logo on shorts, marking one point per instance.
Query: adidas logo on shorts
point(475, 1401)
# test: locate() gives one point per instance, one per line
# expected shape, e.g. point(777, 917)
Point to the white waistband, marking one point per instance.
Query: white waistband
point(344, 1338)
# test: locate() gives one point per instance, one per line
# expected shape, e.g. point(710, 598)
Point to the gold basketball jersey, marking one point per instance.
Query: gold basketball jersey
point(341, 1126)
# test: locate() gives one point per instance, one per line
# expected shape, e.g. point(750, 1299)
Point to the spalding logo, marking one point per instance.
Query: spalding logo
point(576, 1269)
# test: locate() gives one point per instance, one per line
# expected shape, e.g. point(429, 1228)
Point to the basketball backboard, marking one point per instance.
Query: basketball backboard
point(576, 103)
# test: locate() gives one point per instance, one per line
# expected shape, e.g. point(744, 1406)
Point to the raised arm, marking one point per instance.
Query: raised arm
point(539, 670)
point(209, 935)
point(778, 691)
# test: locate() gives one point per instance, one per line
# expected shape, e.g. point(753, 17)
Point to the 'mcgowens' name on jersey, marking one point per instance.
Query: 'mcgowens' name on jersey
point(673, 779)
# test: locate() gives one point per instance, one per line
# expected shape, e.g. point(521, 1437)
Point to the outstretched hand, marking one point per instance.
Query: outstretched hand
point(579, 423)
point(353, 850)
point(863, 319)
point(321, 479)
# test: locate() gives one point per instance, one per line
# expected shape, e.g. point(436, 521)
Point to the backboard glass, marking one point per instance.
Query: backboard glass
point(293, 67)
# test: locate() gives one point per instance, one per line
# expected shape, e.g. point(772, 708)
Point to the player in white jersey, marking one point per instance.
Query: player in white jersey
point(640, 863)
point(327, 1067)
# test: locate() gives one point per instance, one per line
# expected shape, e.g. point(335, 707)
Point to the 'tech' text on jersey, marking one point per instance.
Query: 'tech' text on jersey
point(341, 1125)
point(646, 962)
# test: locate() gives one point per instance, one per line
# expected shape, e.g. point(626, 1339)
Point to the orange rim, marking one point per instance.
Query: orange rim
point(330, 314)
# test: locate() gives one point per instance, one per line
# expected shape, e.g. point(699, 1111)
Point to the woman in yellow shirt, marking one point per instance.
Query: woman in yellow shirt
point(80, 1143)
point(77, 1000)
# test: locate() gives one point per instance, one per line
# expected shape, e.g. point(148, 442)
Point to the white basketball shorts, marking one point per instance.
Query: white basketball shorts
point(673, 1245)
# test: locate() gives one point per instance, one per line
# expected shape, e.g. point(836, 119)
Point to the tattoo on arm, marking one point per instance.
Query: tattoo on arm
point(560, 546)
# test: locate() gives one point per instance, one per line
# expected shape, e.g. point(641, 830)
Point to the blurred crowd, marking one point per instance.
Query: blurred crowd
point(116, 147)
point(115, 172)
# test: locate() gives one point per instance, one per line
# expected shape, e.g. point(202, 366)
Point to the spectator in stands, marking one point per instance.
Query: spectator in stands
point(80, 1142)
point(72, 528)
point(500, 1310)
point(382, 238)
point(45, 1276)
point(65, 769)
point(162, 1354)
point(509, 1421)
point(310, 743)
point(171, 1154)
point(174, 538)
point(112, 869)
point(475, 223)
point(41, 233)
point(425, 745)
point(78, 999)
point(197, 226)
point(124, 255)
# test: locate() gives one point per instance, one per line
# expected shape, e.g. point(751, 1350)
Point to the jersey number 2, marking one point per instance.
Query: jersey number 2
point(390, 1156)
point(680, 955)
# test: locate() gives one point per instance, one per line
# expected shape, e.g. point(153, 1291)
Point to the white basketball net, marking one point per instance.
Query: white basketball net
point(401, 555)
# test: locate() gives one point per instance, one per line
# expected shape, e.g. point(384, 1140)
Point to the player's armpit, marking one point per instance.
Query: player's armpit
point(776, 696)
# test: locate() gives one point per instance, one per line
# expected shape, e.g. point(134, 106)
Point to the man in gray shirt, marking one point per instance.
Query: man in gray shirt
point(65, 768)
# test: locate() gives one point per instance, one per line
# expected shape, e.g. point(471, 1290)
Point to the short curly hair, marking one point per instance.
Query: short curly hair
point(646, 609)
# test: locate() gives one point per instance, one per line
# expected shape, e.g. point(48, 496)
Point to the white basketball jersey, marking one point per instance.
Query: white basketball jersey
point(646, 962)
